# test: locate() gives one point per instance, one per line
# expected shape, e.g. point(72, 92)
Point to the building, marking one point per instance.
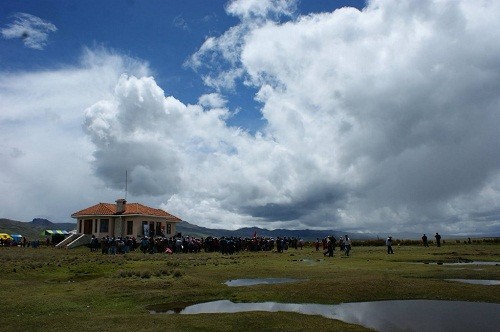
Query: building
point(124, 219)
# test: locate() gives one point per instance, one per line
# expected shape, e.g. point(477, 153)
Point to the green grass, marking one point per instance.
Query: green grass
point(49, 288)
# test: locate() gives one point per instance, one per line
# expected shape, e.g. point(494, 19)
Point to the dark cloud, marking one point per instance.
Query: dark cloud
point(149, 171)
point(303, 208)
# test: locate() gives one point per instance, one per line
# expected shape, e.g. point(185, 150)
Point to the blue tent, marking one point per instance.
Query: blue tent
point(17, 238)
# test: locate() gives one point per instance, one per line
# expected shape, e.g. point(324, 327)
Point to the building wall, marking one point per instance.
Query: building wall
point(118, 226)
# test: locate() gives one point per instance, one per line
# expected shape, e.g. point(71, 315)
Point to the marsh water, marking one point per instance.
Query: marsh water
point(471, 263)
point(477, 282)
point(401, 315)
point(261, 281)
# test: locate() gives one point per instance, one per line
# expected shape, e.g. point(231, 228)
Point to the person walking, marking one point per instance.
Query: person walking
point(347, 245)
point(388, 243)
point(331, 246)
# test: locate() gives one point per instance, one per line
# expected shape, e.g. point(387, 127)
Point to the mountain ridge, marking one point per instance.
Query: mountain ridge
point(33, 229)
point(37, 225)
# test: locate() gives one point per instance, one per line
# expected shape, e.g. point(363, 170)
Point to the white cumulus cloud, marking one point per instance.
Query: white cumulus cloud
point(377, 120)
point(45, 155)
point(33, 30)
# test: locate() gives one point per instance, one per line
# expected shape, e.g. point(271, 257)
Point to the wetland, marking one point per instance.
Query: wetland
point(47, 288)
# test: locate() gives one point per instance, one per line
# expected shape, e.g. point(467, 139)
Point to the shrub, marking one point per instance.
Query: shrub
point(124, 274)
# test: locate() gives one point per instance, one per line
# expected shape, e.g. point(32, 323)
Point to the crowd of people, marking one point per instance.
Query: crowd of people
point(425, 242)
point(224, 245)
point(185, 244)
point(330, 242)
point(11, 242)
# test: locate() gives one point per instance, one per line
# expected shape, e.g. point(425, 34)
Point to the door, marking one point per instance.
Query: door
point(87, 226)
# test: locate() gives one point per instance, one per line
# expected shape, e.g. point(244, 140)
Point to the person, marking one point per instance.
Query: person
point(93, 246)
point(330, 246)
point(144, 244)
point(347, 245)
point(317, 244)
point(105, 245)
point(388, 243)
point(438, 239)
point(424, 240)
point(112, 246)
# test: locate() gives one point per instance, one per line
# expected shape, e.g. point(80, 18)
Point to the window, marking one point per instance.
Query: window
point(130, 227)
point(95, 226)
point(158, 229)
point(104, 226)
point(169, 229)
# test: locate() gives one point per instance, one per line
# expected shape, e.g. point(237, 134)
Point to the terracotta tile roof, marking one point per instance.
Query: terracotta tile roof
point(105, 209)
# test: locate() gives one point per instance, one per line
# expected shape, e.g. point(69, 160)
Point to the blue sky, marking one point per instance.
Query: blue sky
point(165, 33)
point(371, 117)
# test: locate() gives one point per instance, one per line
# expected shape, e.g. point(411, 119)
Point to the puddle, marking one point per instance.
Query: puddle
point(477, 281)
point(310, 262)
point(474, 263)
point(403, 315)
point(169, 308)
point(463, 263)
point(263, 281)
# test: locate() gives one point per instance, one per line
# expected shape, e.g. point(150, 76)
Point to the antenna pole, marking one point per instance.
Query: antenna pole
point(126, 184)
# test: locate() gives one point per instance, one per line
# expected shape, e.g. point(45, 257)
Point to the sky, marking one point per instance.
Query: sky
point(378, 116)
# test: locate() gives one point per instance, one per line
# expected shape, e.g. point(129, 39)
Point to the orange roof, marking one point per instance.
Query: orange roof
point(105, 209)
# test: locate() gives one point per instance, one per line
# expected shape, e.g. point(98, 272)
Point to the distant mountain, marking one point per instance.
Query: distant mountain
point(41, 222)
point(32, 230)
point(18, 227)
point(309, 235)
point(186, 228)
point(47, 224)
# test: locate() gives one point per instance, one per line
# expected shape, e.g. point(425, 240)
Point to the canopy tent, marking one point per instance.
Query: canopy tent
point(54, 232)
point(56, 235)
point(16, 238)
point(5, 236)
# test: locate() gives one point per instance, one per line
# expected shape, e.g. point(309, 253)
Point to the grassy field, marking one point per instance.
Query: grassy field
point(71, 290)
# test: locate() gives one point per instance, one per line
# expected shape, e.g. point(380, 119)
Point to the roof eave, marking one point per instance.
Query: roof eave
point(172, 219)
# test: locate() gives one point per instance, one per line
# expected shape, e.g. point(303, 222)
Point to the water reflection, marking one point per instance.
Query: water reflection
point(404, 315)
point(263, 281)
point(471, 263)
point(477, 281)
point(474, 263)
